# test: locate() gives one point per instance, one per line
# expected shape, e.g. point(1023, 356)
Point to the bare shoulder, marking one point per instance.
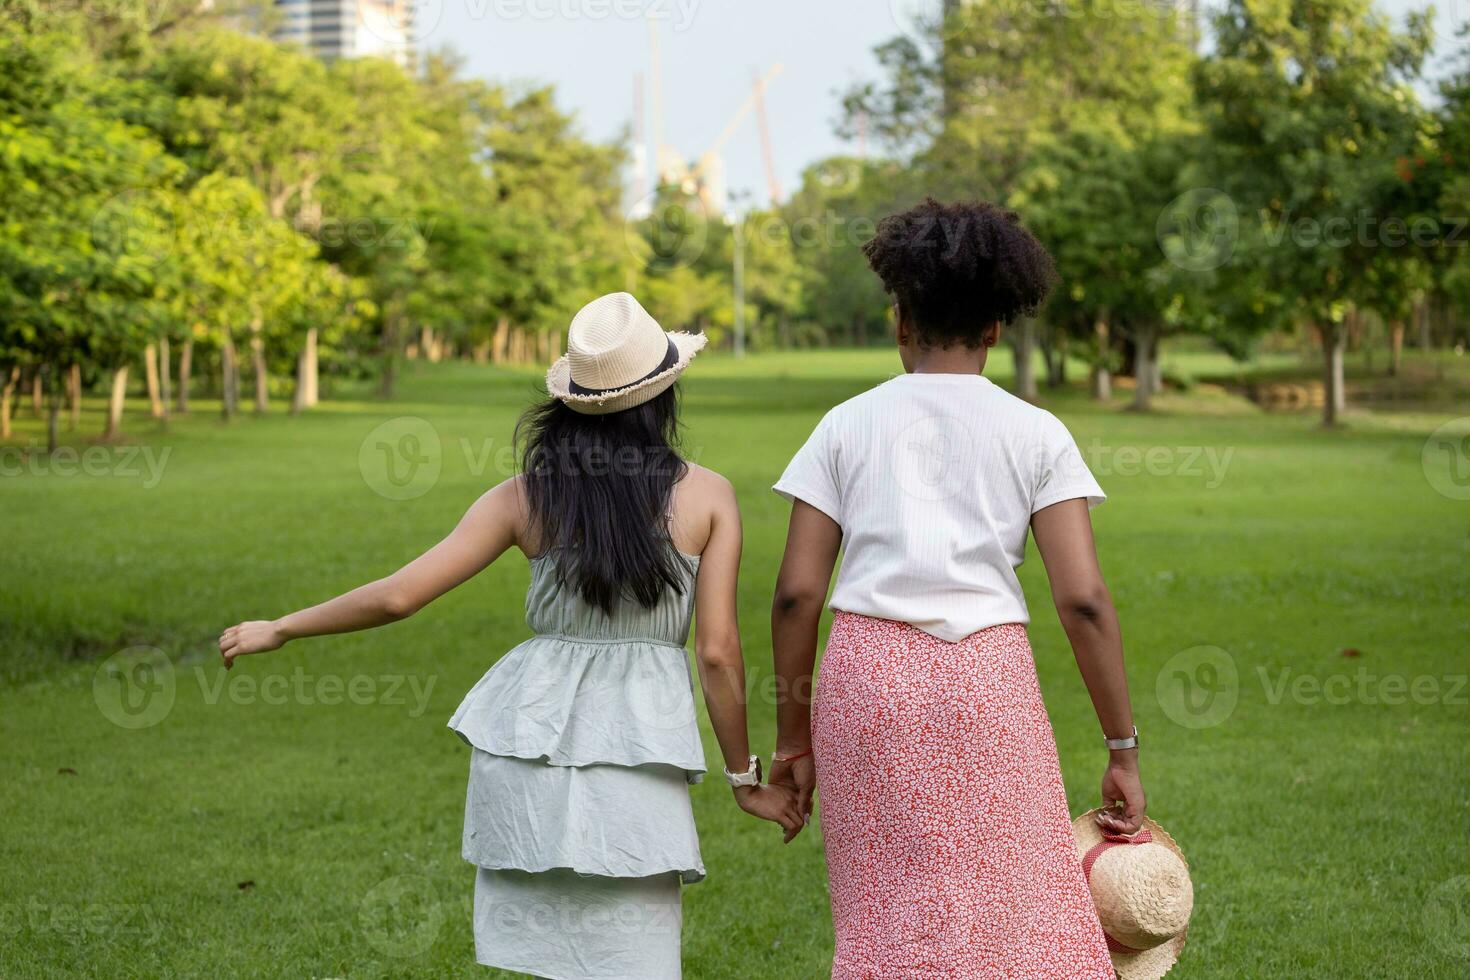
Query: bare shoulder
point(509, 493)
point(506, 505)
point(702, 499)
point(708, 484)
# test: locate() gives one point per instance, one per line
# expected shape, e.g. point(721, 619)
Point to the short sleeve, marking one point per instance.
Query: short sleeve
point(1062, 474)
point(811, 476)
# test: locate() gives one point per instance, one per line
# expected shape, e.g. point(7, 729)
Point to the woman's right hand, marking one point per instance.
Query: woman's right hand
point(774, 803)
point(253, 636)
point(1122, 791)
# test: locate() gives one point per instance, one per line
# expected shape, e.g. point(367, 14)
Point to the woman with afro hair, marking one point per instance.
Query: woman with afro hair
point(944, 819)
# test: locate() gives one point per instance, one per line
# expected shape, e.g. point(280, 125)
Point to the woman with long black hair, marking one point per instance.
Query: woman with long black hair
point(584, 738)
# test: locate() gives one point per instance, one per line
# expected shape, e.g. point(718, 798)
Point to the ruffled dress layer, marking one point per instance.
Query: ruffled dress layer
point(578, 816)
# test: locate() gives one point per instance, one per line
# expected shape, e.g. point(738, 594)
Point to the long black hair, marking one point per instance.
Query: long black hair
point(599, 489)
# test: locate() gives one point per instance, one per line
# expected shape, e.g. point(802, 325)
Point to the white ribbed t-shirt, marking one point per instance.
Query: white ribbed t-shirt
point(933, 479)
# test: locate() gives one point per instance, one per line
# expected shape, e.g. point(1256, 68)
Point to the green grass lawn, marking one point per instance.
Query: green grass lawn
point(303, 819)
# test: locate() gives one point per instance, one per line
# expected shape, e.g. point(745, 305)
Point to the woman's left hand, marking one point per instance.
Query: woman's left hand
point(254, 636)
point(1122, 792)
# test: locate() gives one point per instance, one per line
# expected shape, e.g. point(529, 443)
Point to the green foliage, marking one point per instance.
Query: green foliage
point(167, 174)
point(1310, 111)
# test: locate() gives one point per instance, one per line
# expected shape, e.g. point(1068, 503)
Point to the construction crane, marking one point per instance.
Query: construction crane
point(768, 156)
point(706, 178)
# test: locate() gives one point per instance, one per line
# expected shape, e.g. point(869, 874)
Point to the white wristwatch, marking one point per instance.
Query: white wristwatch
point(750, 777)
point(1114, 744)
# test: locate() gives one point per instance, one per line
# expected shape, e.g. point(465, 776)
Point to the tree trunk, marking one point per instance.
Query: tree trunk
point(53, 424)
point(38, 389)
point(388, 382)
point(115, 403)
point(428, 345)
point(1395, 346)
point(1056, 361)
point(7, 400)
point(298, 397)
point(165, 378)
point(502, 339)
point(229, 377)
point(1145, 372)
point(1102, 374)
point(313, 369)
point(186, 366)
point(1334, 344)
point(150, 374)
point(1421, 321)
point(257, 368)
point(1023, 343)
point(74, 395)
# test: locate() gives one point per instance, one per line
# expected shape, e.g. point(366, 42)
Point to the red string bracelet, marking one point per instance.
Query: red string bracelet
point(792, 758)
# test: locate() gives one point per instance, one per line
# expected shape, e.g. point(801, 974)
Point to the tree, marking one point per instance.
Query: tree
point(84, 244)
point(1006, 94)
point(1309, 106)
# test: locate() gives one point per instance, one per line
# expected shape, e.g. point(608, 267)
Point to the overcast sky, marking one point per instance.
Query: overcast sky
point(591, 49)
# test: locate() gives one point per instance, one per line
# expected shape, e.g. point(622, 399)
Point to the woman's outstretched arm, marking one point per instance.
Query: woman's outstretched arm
point(812, 543)
point(491, 525)
point(1063, 535)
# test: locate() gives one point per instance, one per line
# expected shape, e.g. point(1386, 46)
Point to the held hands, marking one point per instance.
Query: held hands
point(799, 776)
point(774, 803)
point(1122, 794)
point(255, 636)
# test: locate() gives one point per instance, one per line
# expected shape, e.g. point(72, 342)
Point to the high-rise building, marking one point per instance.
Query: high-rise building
point(349, 28)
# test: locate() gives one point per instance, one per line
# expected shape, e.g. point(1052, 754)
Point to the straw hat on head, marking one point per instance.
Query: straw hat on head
point(1141, 888)
point(618, 357)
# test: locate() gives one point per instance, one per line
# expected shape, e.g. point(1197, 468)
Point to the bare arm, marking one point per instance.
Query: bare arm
point(812, 542)
point(1063, 535)
point(721, 663)
point(488, 528)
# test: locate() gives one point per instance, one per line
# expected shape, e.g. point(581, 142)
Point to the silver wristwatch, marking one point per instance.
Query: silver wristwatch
point(750, 777)
point(1113, 744)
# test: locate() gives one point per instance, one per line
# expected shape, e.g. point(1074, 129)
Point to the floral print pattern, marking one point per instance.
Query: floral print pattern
point(949, 848)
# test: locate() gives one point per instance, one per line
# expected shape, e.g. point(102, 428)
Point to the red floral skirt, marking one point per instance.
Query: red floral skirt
point(949, 848)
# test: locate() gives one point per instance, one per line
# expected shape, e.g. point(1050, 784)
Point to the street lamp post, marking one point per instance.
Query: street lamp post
point(738, 227)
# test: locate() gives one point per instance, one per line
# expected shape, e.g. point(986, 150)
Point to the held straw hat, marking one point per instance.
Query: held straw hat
point(618, 357)
point(1141, 888)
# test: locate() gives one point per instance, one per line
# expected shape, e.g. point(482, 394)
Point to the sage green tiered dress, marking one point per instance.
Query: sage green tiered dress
point(578, 814)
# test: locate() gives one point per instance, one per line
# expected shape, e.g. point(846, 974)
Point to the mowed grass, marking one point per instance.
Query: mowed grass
point(303, 819)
